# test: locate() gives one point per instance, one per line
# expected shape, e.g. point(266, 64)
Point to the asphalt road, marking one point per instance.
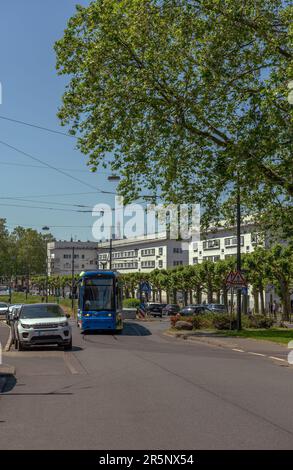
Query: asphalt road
point(143, 390)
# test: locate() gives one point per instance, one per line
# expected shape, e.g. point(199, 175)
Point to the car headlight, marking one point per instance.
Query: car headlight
point(24, 326)
point(64, 323)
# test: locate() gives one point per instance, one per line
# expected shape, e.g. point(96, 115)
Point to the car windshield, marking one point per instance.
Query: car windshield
point(3, 305)
point(41, 311)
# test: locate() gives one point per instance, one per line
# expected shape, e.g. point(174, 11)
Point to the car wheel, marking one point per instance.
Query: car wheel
point(68, 347)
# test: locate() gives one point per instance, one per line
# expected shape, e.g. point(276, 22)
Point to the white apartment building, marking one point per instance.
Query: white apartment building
point(143, 254)
point(221, 244)
point(62, 256)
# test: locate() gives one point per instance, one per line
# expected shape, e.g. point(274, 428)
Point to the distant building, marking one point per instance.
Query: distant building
point(143, 254)
point(60, 257)
point(221, 243)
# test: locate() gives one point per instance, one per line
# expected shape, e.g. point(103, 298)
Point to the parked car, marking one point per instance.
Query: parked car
point(217, 308)
point(11, 312)
point(155, 309)
point(194, 310)
point(3, 309)
point(171, 309)
point(39, 324)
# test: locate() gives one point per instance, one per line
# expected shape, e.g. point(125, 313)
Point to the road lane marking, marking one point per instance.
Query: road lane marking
point(67, 356)
point(277, 358)
point(257, 354)
point(238, 350)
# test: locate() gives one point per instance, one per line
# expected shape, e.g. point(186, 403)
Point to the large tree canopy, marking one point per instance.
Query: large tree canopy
point(183, 95)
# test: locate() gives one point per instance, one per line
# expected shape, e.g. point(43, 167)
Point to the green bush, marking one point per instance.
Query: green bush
point(224, 322)
point(131, 303)
point(198, 321)
point(260, 321)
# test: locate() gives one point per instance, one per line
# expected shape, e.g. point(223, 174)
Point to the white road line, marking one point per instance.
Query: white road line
point(257, 354)
point(277, 358)
point(238, 350)
point(67, 360)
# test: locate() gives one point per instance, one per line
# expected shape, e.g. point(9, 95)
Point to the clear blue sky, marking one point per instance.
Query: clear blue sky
point(32, 92)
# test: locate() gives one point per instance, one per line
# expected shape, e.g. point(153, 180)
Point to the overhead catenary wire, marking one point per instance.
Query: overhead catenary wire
point(52, 167)
point(36, 126)
point(66, 169)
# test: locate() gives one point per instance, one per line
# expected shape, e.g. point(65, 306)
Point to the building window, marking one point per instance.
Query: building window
point(160, 251)
point(82, 256)
point(160, 263)
point(177, 263)
point(195, 260)
point(67, 256)
point(148, 252)
point(211, 244)
point(148, 264)
point(229, 242)
point(177, 250)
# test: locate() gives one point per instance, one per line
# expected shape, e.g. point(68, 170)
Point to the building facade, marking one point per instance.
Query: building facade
point(221, 244)
point(63, 257)
point(143, 254)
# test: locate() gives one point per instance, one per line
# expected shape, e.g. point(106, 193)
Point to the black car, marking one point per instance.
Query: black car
point(193, 310)
point(217, 308)
point(171, 309)
point(155, 309)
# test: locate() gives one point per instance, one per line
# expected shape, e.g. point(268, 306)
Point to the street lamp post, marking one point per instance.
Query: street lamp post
point(238, 214)
point(46, 228)
point(72, 280)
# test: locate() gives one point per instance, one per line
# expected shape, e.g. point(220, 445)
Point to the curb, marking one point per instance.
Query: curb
point(9, 342)
point(196, 338)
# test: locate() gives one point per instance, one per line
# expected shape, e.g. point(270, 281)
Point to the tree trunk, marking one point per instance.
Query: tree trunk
point(160, 295)
point(190, 296)
point(210, 295)
point(256, 300)
point(185, 296)
point(168, 296)
point(218, 296)
point(225, 296)
point(175, 296)
point(198, 294)
point(262, 301)
point(285, 301)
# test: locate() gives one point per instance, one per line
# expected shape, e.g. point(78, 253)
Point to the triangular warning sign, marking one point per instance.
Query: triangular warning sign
point(238, 278)
point(230, 277)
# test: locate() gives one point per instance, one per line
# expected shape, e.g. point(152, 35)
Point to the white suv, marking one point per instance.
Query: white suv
point(41, 324)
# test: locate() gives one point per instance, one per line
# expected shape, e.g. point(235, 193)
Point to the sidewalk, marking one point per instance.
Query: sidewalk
point(242, 345)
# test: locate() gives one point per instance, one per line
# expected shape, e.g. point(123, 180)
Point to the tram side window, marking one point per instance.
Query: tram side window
point(119, 296)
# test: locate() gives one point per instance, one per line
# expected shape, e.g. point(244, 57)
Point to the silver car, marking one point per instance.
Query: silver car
point(11, 312)
point(42, 324)
point(3, 310)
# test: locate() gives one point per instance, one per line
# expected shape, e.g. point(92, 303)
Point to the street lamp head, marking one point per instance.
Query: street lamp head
point(114, 178)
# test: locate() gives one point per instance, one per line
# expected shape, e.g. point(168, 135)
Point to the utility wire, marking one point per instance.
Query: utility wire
point(54, 168)
point(43, 168)
point(47, 129)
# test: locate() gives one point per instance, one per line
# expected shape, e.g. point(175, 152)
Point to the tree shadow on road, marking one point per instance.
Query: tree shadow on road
point(129, 329)
point(10, 383)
